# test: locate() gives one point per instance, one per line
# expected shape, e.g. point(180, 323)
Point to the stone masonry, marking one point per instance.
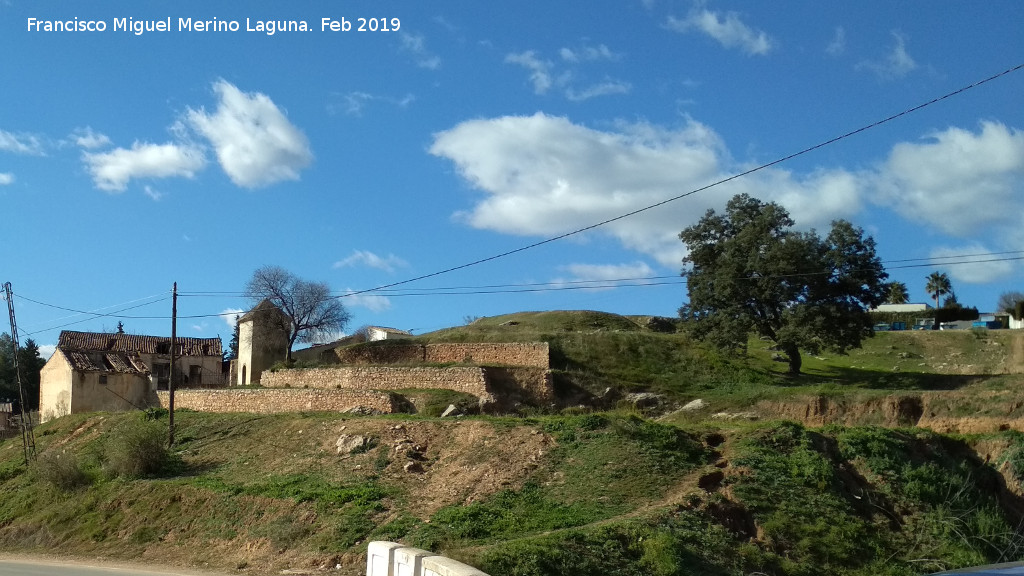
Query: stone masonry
point(275, 400)
point(533, 354)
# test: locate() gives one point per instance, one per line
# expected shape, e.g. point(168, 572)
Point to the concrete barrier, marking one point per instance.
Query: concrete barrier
point(409, 561)
point(393, 559)
point(441, 566)
point(380, 558)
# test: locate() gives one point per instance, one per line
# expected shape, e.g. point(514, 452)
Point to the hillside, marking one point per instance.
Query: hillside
point(726, 489)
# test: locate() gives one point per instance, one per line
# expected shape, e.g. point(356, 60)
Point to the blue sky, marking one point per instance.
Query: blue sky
point(468, 129)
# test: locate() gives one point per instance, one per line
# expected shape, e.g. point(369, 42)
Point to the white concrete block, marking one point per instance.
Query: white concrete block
point(380, 558)
point(409, 561)
point(442, 566)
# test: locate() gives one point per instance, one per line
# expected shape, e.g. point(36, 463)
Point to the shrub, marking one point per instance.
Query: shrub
point(60, 470)
point(136, 448)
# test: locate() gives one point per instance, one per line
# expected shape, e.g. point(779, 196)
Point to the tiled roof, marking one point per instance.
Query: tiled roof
point(136, 344)
point(96, 361)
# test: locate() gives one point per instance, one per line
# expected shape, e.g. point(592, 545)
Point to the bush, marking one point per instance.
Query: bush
point(60, 470)
point(136, 448)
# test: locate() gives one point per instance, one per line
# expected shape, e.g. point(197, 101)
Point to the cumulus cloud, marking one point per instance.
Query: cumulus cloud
point(417, 46)
point(544, 175)
point(896, 64)
point(388, 263)
point(957, 181)
point(728, 30)
point(89, 139)
point(47, 350)
point(6, 178)
point(540, 70)
point(602, 272)
point(371, 302)
point(27, 144)
point(255, 143)
point(111, 171)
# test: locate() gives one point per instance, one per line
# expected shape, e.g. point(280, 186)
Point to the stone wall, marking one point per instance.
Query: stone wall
point(534, 354)
point(513, 385)
point(275, 400)
point(468, 379)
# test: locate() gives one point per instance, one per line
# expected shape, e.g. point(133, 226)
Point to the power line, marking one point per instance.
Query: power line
point(702, 188)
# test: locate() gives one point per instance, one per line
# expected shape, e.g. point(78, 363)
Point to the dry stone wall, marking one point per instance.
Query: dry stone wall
point(468, 379)
point(534, 354)
point(276, 400)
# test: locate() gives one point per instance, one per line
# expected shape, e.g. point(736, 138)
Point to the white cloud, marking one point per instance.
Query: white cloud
point(353, 103)
point(256, 145)
point(973, 269)
point(27, 144)
point(838, 44)
point(6, 178)
point(540, 70)
point(958, 181)
point(896, 64)
point(89, 139)
point(543, 175)
point(603, 89)
point(372, 302)
point(727, 30)
point(47, 350)
point(588, 272)
point(111, 171)
point(416, 45)
point(229, 315)
point(154, 194)
point(588, 53)
point(366, 258)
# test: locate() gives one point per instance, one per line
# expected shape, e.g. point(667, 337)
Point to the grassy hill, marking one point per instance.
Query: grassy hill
point(578, 491)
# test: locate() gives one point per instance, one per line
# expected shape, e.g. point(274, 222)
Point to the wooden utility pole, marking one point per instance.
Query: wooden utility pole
point(170, 382)
point(28, 437)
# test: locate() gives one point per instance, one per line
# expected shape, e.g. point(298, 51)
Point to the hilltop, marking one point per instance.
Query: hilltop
point(847, 483)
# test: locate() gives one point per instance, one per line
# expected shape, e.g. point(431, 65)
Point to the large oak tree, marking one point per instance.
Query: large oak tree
point(748, 271)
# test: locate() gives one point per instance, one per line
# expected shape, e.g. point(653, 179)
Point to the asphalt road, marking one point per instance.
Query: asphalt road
point(26, 567)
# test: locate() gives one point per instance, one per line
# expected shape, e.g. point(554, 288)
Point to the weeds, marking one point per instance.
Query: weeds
point(60, 469)
point(136, 448)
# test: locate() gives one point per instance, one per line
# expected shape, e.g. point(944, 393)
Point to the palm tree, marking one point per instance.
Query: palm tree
point(897, 293)
point(938, 285)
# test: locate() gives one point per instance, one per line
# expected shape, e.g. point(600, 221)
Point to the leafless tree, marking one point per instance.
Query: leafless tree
point(308, 307)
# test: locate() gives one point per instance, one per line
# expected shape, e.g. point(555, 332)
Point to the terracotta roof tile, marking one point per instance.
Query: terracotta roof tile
point(136, 343)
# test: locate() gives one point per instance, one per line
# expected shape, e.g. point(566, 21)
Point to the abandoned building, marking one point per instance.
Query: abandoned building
point(92, 371)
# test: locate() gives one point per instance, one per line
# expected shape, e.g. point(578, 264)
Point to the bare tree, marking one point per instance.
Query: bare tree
point(1008, 301)
point(308, 307)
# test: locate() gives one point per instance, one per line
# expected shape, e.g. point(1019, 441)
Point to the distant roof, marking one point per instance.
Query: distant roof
point(136, 343)
point(390, 330)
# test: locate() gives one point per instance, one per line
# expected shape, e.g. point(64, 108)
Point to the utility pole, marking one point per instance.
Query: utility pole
point(28, 437)
point(170, 383)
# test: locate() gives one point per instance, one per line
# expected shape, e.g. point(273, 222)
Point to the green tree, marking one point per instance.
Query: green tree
point(30, 363)
point(749, 272)
point(938, 285)
point(897, 293)
point(232, 352)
